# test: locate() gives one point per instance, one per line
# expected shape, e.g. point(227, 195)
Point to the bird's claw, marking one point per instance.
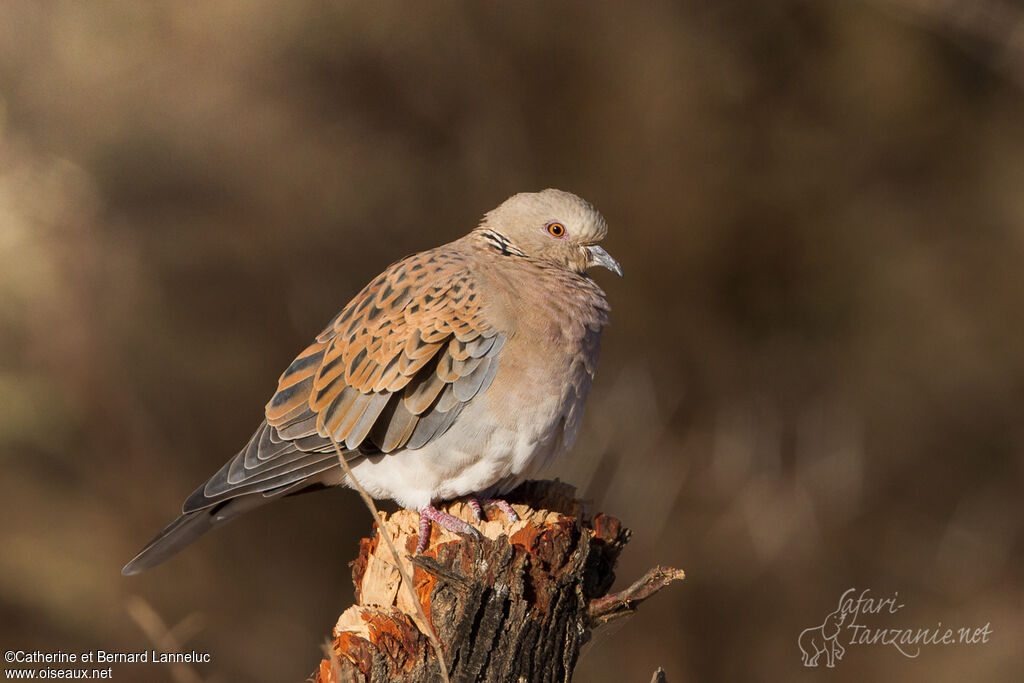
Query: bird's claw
point(452, 523)
point(500, 503)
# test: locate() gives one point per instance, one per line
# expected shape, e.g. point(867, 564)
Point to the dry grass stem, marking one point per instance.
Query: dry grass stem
point(406, 579)
point(163, 638)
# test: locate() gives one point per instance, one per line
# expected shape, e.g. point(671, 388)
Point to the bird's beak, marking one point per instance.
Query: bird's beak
point(600, 257)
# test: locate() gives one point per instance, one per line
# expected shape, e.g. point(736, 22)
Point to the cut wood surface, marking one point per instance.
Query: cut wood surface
point(515, 604)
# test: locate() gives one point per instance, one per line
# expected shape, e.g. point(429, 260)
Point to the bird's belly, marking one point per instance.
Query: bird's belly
point(480, 454)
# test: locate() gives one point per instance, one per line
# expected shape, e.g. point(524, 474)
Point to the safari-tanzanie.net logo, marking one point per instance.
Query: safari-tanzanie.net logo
point(849, 625)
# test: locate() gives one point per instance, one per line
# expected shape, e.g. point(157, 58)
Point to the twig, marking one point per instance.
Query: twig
point(996, 23)
point(603, 610)
point(406, 579)
point(153, 626)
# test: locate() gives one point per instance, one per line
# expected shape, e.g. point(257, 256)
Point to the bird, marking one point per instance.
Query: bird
point(457, 373)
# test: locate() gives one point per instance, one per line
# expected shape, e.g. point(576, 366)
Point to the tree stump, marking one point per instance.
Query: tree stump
point(515, 604)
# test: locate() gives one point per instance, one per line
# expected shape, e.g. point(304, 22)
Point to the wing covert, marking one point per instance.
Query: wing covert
point(393, 370)
point(387, 360)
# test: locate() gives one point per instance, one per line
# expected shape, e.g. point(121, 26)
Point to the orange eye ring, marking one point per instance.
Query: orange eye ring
point(556, 229)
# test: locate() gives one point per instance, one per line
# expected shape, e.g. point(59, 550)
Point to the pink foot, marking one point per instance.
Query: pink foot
point(430, 514)
point(502, 505)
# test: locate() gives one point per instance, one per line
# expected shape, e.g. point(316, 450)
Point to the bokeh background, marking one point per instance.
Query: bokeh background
point(815, 375)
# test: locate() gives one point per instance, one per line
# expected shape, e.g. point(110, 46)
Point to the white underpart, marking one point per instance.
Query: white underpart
point(479, 454)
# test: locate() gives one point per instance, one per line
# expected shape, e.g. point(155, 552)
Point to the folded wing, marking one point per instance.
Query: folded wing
point(392, 371)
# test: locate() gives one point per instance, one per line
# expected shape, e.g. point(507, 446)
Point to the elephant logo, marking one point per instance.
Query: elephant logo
point(823, 639)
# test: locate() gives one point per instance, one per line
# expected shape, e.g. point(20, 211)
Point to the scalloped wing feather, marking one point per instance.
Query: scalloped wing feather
point(393, 370)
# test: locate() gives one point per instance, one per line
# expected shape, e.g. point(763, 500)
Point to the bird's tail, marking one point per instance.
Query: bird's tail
point(175, 536)
point(190, 526)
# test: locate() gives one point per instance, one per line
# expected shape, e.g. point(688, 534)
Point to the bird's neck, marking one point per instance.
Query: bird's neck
point(490, 238)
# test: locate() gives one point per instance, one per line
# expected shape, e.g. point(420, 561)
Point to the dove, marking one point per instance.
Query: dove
point(457, 373)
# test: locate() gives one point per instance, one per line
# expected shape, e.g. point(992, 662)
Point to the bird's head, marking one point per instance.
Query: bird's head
point(555, 226)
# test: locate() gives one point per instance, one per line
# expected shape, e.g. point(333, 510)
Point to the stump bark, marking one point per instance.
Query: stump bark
point(515, 604)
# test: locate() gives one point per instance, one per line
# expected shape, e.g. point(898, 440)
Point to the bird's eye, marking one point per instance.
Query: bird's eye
point(556, 229)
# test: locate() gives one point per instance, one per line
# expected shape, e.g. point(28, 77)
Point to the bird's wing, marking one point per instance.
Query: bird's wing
point(391, 371)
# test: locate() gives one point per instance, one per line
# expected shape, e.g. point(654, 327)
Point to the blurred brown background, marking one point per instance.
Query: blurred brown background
point(815, 375)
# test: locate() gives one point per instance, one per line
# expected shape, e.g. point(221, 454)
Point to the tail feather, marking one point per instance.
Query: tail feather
point(187, 528)
point(191, 525)
point(175, 536)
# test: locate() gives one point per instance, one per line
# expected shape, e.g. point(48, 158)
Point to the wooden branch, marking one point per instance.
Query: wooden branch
point(514, 604)
point(604, 609)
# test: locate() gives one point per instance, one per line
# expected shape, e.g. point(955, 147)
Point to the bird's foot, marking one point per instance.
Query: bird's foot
point(452, 523)
point(501, 504)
